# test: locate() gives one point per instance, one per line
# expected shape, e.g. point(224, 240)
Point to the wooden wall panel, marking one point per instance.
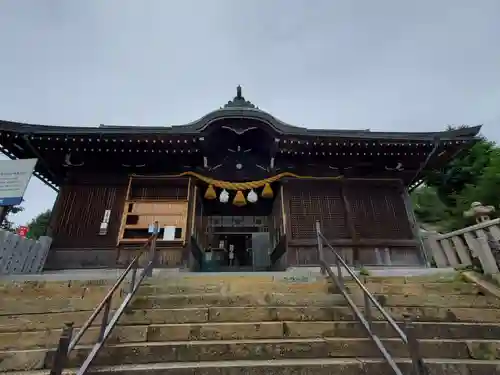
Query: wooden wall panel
point(376, 210)
point(80, 214)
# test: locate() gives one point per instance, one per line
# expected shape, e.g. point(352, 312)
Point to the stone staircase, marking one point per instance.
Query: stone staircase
point(224, 324)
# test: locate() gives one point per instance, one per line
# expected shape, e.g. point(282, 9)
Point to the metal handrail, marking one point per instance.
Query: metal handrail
point(370, 301)
point(107, 325)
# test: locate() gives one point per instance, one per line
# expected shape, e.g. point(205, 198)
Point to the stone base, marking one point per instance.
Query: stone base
point(64, 259)
point(61, 259)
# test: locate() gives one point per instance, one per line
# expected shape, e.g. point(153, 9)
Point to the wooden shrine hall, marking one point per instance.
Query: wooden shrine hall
point(237, 183)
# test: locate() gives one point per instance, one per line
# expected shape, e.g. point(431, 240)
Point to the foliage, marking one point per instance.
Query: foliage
point(364, 272)
point(428, 206)
point(472, 176)
point(486, 188)
point(465, 169)
point(7, 224)
point(39, 225)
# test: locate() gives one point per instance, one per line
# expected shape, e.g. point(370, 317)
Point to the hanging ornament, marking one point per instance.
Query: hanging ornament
point(267, 192)
point(239, 199)
point(224, 196)
point(252, 196)
point(210, 193)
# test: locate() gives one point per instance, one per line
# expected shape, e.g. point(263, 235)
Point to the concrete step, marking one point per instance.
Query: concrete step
point(320, 366)
point(269, 349)
point(33, 322)
point(249, 330)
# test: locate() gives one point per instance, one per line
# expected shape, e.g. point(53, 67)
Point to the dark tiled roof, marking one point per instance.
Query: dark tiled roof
point(237, 108)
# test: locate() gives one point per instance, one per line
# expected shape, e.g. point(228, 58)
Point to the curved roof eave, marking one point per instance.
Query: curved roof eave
point(198, 126)
point(236, 112)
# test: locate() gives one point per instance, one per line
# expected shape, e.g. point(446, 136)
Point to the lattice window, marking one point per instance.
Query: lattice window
point(318, 201)
point(379, 212)
point(153, 192)
point(159, 189)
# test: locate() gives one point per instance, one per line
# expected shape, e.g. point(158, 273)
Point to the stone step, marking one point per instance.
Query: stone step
point(33, 322)
point(437, 278)
point(250, 330)
point(415, 288)
point(433, 300)
point(316, 299)
point(301, 313)
point(158, 286)
point(269, 349)
point(12, 305)
point(319, 366)
point(253, 299)
point(235, 287)
point(40, 305)
point(215, 282)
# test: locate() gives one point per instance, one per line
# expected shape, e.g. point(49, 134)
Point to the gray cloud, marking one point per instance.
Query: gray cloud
point(384, 65)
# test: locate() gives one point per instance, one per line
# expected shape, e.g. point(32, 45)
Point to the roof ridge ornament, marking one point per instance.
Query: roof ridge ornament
point(239, 101)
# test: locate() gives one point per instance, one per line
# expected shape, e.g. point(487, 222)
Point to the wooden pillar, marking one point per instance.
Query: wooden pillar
point(192, 227)
point(55, 212)
point(414, 226)
point(286, 228)
point(349, 219)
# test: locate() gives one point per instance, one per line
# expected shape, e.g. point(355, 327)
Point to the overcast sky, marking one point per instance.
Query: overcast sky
point(385, 64)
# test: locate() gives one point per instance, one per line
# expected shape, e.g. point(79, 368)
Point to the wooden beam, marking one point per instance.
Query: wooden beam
point(123, 221)
point(427, 160)
point(41, 159)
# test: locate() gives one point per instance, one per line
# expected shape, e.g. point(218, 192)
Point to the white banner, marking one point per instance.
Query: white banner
point(14, 178)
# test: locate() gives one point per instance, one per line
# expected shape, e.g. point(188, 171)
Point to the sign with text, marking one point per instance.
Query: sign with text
point(14, 178)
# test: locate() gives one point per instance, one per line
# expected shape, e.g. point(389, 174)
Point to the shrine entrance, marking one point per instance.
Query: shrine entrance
point(238, 238)
point(243, 241)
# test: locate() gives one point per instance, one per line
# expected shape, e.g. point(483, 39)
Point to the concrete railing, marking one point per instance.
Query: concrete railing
point(458, 248)
point(19, 255)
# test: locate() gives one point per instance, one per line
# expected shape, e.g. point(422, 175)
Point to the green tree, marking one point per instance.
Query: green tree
point(39, 225)
point(465, 169)
point(429, 208)
point(473, 175)
point(485, 189)
point(6, 223)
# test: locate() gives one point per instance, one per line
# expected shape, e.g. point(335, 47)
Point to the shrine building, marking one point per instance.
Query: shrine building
point(238, 179)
